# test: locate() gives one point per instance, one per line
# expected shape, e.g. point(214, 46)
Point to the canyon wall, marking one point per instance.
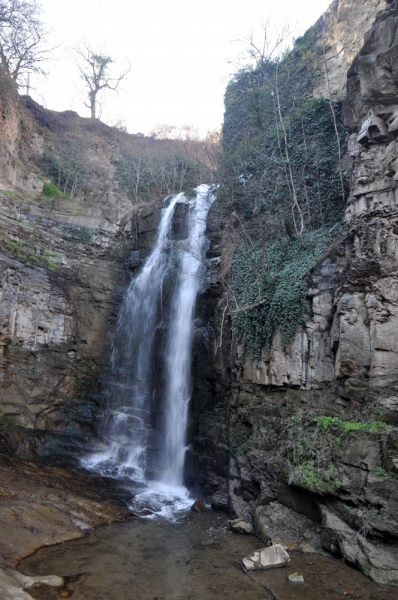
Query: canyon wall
point(341, 31)
point(64, 265)
point(303, 442)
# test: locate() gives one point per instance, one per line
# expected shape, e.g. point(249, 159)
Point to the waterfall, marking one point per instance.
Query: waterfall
point(134, 386)
point(128, 420)
point(178, 360)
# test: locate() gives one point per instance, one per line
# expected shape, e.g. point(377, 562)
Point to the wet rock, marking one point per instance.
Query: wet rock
point(267, 558)
point(13, 584)
point(278, 524)
point(296, 578)
point(378, 562)
point(42, 505)
point(241, 526)
point(29, 582)
point(219, 501)
point(198, 506)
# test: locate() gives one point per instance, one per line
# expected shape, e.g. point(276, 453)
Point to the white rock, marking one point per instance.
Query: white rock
point(296, 578)
point(266, 558)
point(29, 582)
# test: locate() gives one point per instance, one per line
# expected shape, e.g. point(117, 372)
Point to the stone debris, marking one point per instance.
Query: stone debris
point(278, 524)
point(199, 506)
point(241, 526)
point(266, 558)
point(296, 578)
point(219, 500)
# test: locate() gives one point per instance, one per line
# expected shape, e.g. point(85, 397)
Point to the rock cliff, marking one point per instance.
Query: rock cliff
point(65, 261)
point(341, 32)
point(311, 427)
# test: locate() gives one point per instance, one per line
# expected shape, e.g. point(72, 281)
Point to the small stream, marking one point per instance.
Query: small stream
point(192, 559)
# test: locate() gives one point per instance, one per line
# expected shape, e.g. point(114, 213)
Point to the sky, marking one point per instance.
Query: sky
point(181, 54)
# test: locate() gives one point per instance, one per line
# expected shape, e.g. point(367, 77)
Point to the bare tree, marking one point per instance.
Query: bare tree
point(95, 72)
point(22, 38)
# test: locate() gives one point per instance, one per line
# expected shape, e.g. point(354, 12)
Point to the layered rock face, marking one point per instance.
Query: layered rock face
point(64, 265)
point(312, 426)
point(341, 33)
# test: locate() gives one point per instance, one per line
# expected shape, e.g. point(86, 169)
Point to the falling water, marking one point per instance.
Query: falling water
point(129, 423)
point(178, 361)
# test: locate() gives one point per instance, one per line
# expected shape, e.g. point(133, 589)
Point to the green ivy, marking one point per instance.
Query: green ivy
point(280, 273)
point(280, 171)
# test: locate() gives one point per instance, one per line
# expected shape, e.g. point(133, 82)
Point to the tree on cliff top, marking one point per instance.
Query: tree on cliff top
point(95, 72)
point(22, 38)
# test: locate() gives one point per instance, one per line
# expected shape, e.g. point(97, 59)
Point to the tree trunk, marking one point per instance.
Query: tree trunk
point(93, 105)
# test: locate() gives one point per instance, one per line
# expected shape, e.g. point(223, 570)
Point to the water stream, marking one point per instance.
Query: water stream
point(149, 333)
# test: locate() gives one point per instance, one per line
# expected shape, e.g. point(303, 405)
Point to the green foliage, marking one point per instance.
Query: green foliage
point(66, 167)
point(314, 478)
point(50, 191)
point(274, 275)
point(380, 472)
point(300, 455)
point(282, 187)
point(10, 194)
point(82, 234)
point(254, 143)
point(50, 263)
point(325, 422)
point(25, 254)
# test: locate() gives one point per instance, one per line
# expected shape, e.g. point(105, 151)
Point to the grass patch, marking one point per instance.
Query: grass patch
point(325, 422)
point(380, 472)
point(51, 191)
point(26, 255)
point(315, 479)
point(10, 194)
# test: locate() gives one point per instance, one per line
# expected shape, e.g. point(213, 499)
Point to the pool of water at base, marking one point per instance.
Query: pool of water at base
point(194, 558)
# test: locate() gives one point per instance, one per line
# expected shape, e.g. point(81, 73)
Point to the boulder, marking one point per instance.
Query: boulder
point(219, 500)
point(266, 558)
point(199, 506)
point(278, 524)
point(380, 562)
point(241, 526)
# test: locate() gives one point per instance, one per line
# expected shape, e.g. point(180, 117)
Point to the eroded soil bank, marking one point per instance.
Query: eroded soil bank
point(195, 558)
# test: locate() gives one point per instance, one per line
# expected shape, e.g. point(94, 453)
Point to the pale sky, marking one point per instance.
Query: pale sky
point(178, 50)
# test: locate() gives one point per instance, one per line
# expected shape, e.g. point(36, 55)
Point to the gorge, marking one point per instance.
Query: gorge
point(288, 419)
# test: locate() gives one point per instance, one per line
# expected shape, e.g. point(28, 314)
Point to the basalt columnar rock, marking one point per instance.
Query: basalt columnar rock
point(312, 426)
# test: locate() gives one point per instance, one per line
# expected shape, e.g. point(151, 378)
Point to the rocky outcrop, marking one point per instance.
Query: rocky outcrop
point(42, 505)
point(312, 426)
point(341, 31)
point(65, 262)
